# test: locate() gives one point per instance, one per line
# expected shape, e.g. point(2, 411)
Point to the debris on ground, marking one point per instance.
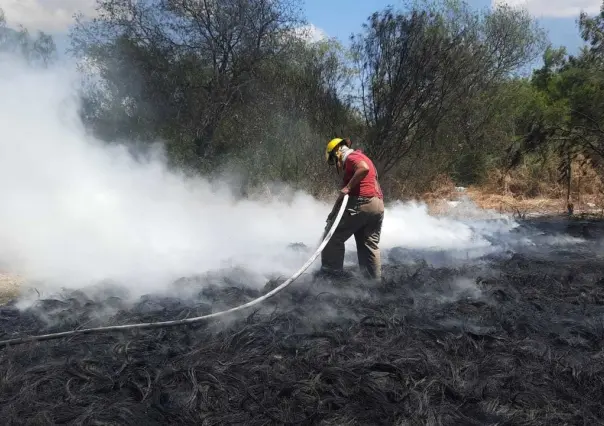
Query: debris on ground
point(514, 338)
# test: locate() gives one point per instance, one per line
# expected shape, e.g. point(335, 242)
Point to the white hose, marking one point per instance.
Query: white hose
point(196, 319)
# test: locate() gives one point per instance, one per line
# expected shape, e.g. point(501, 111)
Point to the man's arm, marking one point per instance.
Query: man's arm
point(360, 171)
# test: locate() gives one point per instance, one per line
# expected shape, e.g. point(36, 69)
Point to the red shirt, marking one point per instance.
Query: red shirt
point(369, 186)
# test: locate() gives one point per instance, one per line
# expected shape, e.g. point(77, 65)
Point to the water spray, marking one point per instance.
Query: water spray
point(162, 324)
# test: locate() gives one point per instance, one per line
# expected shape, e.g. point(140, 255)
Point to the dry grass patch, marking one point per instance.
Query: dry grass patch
point(9, 287)
point(516, 205)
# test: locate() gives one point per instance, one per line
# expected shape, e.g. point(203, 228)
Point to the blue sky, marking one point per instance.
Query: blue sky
point(337, 18)
point(340, 18)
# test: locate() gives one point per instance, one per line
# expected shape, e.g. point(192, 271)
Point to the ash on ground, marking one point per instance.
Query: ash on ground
point(514, 337)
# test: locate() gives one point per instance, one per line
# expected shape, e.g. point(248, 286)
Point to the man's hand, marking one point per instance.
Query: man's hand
point(345, 190)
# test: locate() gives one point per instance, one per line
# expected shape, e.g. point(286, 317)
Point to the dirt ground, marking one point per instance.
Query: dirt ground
point(9, 286)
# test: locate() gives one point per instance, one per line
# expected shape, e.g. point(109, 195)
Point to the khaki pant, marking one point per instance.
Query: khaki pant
point(362, 218)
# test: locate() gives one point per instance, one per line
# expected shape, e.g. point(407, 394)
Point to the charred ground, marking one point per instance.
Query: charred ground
point(512, 338)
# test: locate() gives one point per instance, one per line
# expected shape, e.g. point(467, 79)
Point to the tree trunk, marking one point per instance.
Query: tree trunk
point(569, 178)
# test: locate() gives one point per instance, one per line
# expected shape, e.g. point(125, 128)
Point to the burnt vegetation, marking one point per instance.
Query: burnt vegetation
point(510, 338)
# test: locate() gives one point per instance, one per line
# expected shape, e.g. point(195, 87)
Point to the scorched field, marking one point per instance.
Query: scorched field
point(514, 337)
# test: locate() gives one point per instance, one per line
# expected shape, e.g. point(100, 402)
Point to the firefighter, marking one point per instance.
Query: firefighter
point(364, 211)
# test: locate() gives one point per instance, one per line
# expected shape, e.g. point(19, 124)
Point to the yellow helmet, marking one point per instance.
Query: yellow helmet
point(330, 147)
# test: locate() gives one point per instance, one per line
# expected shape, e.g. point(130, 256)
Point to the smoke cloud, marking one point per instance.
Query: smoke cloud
point(75, 211)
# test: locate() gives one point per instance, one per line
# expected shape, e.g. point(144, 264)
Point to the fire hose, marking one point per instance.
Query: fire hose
point(326, 237)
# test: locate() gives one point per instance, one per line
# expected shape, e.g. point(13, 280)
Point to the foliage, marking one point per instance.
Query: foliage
point(429, 89)
point(431, 79)
point(564, 117)
point(226, 85)
point(40, 50)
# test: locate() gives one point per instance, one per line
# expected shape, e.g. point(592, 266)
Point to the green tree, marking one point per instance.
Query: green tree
point(565, 117)
point(229, 85)
point(39, 50)
point(429, 76)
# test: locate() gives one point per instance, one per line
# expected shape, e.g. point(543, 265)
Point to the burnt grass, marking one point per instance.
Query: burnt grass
point(512, 338)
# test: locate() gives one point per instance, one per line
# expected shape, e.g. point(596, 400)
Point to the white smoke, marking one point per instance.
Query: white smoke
point(75, 211)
